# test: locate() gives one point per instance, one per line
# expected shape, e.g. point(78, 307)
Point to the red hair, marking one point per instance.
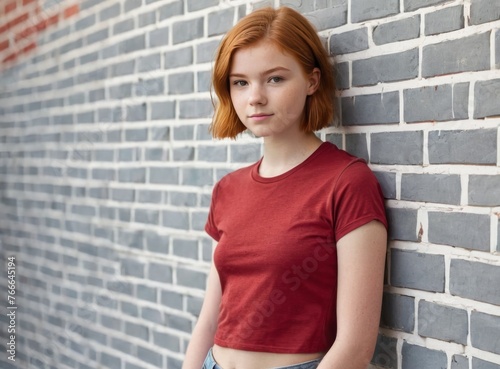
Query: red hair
point(293, 34)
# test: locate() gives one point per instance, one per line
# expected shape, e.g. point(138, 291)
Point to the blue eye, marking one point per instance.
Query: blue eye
point(275, 79)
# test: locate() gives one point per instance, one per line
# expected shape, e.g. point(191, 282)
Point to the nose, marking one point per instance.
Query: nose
point(257, 95)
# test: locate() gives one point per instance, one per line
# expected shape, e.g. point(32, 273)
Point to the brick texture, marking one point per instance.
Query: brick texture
point(107, 168)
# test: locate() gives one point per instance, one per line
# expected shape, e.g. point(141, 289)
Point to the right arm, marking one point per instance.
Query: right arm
point(202, 338)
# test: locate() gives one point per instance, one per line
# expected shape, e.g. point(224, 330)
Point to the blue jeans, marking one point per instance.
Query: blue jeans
point(210, 363)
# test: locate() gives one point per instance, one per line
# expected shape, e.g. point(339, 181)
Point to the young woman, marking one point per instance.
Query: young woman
point(298, 268)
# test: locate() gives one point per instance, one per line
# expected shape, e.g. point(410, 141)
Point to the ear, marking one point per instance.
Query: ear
point(314, 79)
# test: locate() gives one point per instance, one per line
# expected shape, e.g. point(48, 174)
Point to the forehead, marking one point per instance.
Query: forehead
point(262, 54)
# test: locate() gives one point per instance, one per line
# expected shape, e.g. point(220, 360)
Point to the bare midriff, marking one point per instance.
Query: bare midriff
point(228, 358)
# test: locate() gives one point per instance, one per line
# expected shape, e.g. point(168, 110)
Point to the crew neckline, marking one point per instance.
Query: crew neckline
point(257, 177)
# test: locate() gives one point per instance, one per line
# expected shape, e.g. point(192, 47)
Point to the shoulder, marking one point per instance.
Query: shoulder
point(236, 178)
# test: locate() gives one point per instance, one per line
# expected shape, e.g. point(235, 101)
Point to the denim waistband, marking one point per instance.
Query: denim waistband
point(210, 363)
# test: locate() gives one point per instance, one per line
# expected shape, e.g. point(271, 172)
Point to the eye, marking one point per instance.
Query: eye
point(239, 83)
point(275, 79)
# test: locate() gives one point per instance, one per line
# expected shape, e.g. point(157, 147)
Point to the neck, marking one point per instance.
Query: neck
point(281, 155)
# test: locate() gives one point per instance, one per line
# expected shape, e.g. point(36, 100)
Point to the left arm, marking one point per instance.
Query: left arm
point(361, 259)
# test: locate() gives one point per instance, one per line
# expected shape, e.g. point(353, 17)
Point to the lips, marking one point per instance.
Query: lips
point(259, 115)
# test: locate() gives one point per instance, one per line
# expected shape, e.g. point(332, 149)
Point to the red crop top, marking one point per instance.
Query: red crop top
point(276, 253)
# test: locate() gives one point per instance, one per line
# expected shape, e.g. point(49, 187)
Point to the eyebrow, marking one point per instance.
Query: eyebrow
point(269, 71)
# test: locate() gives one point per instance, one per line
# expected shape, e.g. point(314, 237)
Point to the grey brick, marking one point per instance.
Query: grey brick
point(178, 322)
point(110, 12)
point(104, 155)
point(397, 148)
point(486, 98)
point(437, 103)
point(135, 135)
point(362, 10)
point(97, 36)
point(160, 133)
point(149, 356)
point(165, 340)
point(131, 5)
point(181, 83)
point(153, 315)
point(172, 299)
point(156, 242)
point(135, 175)
point(163, 110)
point(203, 81)
point(483, 364)
point(173, 363)
point(159, 37)
point(387, 182)
point(463, 55)
point(133, 366)
point(135, 43)
point(184, 133)
point(155, 154)
point(183, 199)
point(342, 76)
point(370, 109)
point(164, 175)
point(103, 174)
point(120, 287)
point(418, 271)
point(148, 18)
point(459, 362)
point(463, 147)
point(194, 305)
point(484, 190)
point(125, 215)
point(149, 63)
point(385, 354)
point(444, 20)
point(186, 248)
point(178, 58)
point(332, 16)
point(437, 188)
point(137, 330)
point(187, 30)
point(205, 51)
point(123, 26)
point(191, 278)
point(220, 22)
point(356, 144)
point(197, 176)
point(122, 194)
point(160, 272)
point(398, 312)
point(442, 322)
point(448, 229)
point(485, 334)
point(411, 5)
point(172, 9)
point(129, 308)
point(146, 216)
point(385, 68)
point(84, 210)
point(146, 293)
point(150, 196)
point(335, 139)
point(121, 345)
point(212, 153)
point(191, 109)
point(111, 322)
point(400, 30)
point(194, 5)
point(483, 11)
point(130, 267)
point(473, 280)
point(86, 22)
point(123, 68)
point(88, 58)
point(247, 153)
point(120, 91)
point(149, 87)
point(497, 48)
point(176, 219)
point(417, 357)
point(349, 42)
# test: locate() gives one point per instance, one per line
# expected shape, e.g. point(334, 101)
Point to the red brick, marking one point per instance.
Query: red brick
point(72, 10)
point(4, 45)
point(10, 7)
point(29, 47)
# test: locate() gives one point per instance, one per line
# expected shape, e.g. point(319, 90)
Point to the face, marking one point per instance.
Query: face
point(269, 89)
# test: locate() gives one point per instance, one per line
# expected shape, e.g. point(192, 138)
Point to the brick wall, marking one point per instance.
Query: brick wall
point(106, 171)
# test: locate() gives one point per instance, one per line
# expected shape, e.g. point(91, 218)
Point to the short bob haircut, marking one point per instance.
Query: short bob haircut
point(293, 34)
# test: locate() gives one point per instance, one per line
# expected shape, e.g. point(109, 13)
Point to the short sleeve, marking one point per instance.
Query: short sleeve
point(357, 200)
point(211, 226)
